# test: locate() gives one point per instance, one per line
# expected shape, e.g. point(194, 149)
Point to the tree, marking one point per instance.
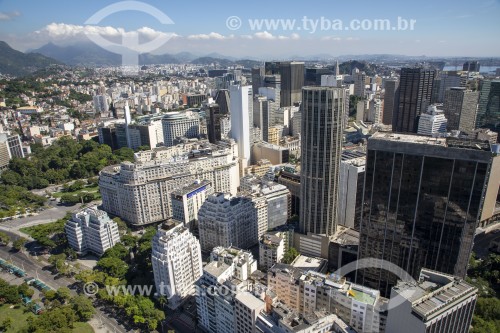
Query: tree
point(6, 324)
point(83, 307)
point(18, 244)
point(113, 266)
point(118, 251)
point(8, 294)
point(4, 238)
point(63, 294)
point(25, 290)
point(290, 256)
point(58, 262)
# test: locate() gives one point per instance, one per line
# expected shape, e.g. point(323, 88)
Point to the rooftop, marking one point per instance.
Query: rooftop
point(434, 292)
point(250, 301)
point(308, 263)
point(425, 140)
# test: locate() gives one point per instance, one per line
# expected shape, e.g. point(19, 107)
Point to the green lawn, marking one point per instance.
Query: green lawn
point(83, 328)
point(18, 316)
point(90, 189)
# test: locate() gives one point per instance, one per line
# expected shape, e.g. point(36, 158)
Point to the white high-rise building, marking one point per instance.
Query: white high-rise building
point(180, 125)
point(352, 172)
point(437, 303)
point(241, 106)
point(433, 122)
point(176, 261)
point(232, 221)
point(91, 230)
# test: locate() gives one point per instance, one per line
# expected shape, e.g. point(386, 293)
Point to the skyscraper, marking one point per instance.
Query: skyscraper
point(242, 120)
point(292, 80)
point(257, 78)
point(415, 94)
point(422, 202)
point(448, 80)
point(321, 144)
point(176, 261)
point(488, 115)
point(390, 100)
point(222, 99)
point(215, 123)
point(460, 108)
point(471, 66)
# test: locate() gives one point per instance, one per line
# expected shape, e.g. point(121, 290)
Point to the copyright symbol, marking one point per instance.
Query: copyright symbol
point(233, 23)
point(90, 288)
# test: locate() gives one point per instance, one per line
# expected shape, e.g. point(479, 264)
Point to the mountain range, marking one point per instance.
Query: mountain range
point(89, 54)
point(17, 63)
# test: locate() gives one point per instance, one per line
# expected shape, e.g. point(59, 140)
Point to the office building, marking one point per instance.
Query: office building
point(449, 80)
point(359, 84)
point(488, 114)
point(274, 153)
point(433, 122)
point(222, 100)
point(292, 80)
point(91, 230)
point(10, 147)
point(224, 220)
point(218, 123)
point(423, 200)
point(436, 303)
point(258, 74)
point(107, 136)
point(390, 101)
point(242, 121)
point(187, 201)
point(415, 95)
point(460, 108)
point(321, 149)
point(177, 125)
point(176, 261)
point(352, 174)
point(291, 180)
point(140, 192)
point(471, 66)
point(262, 115)
point(223, 299)
point(150, 131)
point(278, 198)
point(101, 104)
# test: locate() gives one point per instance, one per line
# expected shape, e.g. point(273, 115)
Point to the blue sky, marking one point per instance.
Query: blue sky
point(447, 28)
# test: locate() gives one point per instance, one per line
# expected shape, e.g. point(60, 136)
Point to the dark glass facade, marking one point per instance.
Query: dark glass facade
point(488, 115)
point(421, 207)
point(415, 95)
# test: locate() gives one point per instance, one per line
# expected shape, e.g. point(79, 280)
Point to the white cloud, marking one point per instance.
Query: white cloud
point(295, 36)
point(212, 35)
point(62, 32)
point(334, 38)
point(264, 35)
point(7, 16)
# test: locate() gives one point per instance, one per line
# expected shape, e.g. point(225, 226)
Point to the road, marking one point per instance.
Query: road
point(33, 268)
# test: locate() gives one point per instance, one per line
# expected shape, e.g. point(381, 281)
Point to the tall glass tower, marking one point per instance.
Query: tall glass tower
point(323, 110)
